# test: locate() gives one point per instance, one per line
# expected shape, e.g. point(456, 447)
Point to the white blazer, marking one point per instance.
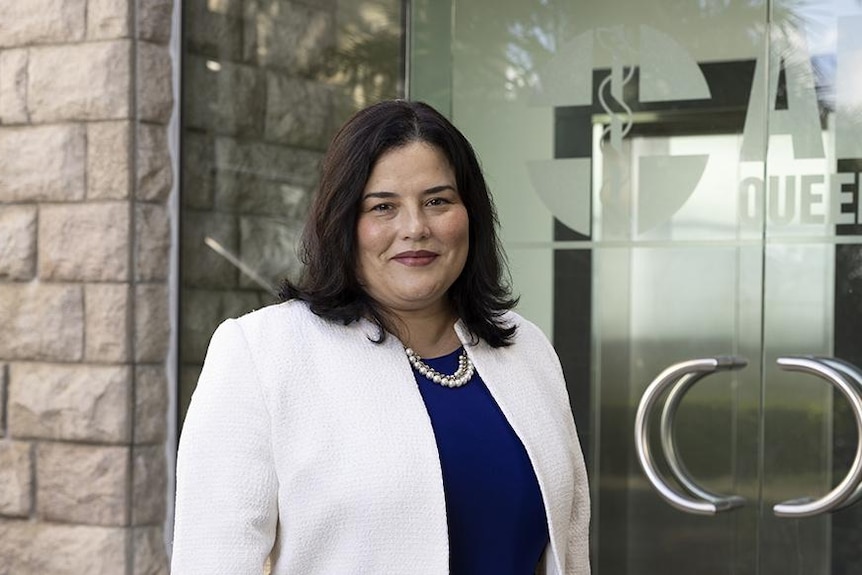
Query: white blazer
point(307, 441)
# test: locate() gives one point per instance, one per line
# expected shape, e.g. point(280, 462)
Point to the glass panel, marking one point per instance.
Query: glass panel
point(812, 308)
point(612, 134)
point(650, 217)
point(265, 83)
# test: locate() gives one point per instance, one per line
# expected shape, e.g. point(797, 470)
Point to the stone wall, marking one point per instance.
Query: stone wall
point(85, 174)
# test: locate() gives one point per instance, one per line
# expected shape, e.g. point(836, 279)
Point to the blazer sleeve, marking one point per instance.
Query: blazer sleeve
point(226, 500)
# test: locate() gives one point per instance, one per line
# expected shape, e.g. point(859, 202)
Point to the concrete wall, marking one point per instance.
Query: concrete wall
point(85, 174)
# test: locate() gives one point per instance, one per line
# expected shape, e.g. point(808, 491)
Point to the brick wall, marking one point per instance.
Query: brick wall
point(85, 174)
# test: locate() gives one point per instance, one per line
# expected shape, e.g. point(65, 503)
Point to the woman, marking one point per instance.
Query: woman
point(392, 416)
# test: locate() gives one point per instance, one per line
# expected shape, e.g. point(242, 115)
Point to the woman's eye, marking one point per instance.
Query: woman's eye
point(437, 201)
point(381, 207)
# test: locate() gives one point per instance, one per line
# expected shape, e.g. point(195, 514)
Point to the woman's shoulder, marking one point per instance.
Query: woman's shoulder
point(270, 323)
point(277, 314)
point(282, 332)
point(527, 331)
point(529, 340)
point(290, 321)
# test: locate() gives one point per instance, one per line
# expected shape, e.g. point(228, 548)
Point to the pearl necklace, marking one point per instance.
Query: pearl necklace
point(457, 379)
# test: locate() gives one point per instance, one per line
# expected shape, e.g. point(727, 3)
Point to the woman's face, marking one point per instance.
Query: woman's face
point(412, 234)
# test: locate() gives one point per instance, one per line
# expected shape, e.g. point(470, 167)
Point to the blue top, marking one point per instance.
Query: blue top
point(497, 523)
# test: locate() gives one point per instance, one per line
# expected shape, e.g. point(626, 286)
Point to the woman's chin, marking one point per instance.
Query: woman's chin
point(417, 301)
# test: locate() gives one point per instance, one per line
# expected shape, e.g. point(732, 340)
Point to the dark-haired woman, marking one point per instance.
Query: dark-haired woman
point(392, 416)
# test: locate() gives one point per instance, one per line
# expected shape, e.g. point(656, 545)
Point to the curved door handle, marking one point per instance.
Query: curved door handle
point(668, 443)
point(686, 374)
point(852, 372)
point(847, 491)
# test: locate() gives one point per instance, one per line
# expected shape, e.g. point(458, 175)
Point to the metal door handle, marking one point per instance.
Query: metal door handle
point(668, 443)
point(684, 375)
point(833, 371)
point(852, 372)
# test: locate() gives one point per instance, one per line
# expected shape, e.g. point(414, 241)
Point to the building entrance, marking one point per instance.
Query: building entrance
point(679, 193)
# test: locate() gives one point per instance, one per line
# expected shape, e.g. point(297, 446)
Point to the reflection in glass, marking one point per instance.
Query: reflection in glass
point(679, 179)
point(265, 83)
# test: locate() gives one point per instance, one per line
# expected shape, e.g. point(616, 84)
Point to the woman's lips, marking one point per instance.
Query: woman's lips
point(419, 258)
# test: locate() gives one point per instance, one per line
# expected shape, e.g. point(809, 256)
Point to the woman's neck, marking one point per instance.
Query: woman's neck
point(428, 333)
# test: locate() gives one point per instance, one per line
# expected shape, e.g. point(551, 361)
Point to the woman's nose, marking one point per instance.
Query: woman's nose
point(415, 224)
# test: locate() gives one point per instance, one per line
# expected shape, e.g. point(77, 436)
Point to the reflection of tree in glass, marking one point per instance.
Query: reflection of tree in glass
point(367, 57)
point(526, 35)
point(808, 29)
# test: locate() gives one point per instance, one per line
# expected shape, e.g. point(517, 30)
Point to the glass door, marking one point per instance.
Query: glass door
point(812, 263)
point(678, 181)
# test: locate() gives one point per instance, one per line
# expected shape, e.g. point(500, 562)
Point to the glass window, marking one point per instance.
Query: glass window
point(265, 83)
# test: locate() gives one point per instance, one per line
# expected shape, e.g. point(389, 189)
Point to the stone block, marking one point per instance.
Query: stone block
point(86, 484)
point(298, 112)
point(17, 242)
point(149, 485)
point(84, 242)
point(109, 160)
point(107, 322)
point(214, 28)
point(202, 234)
point(16, 478)
point(153, 242)
point(226, 7)
point(269, 247)
point(152, 323)
point(109, 19)
point(344, 104)
point(264, 179)
point(31, 547)
point(291, 36)
point(69, 402)
point(149, 551)
point(42, 163)
point(227, 99)
point(202, 311)
point(155, 19)
point(155, 173)
point(198, 170)
point(151, 404)
point(155, 83)
point(41, 21)
point(81, 82)
point(246, 194)
point(283, 164)
point(319, 4)
point(42, 321)
point(13, 86)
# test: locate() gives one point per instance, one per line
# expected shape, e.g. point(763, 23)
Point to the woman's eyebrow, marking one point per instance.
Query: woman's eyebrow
point(379, 195)
point(438, 189)
point(386, 195)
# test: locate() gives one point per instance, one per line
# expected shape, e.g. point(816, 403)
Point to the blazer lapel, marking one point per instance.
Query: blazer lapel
point(511, 375)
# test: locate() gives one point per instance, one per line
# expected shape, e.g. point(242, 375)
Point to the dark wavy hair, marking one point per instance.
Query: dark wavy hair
point(480, 295)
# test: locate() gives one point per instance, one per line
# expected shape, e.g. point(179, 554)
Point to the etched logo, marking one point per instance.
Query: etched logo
point(772, 186)
point(666, 73)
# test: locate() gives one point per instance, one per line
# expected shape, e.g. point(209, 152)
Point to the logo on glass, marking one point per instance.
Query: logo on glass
point(666, 73)
point(657, 69)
